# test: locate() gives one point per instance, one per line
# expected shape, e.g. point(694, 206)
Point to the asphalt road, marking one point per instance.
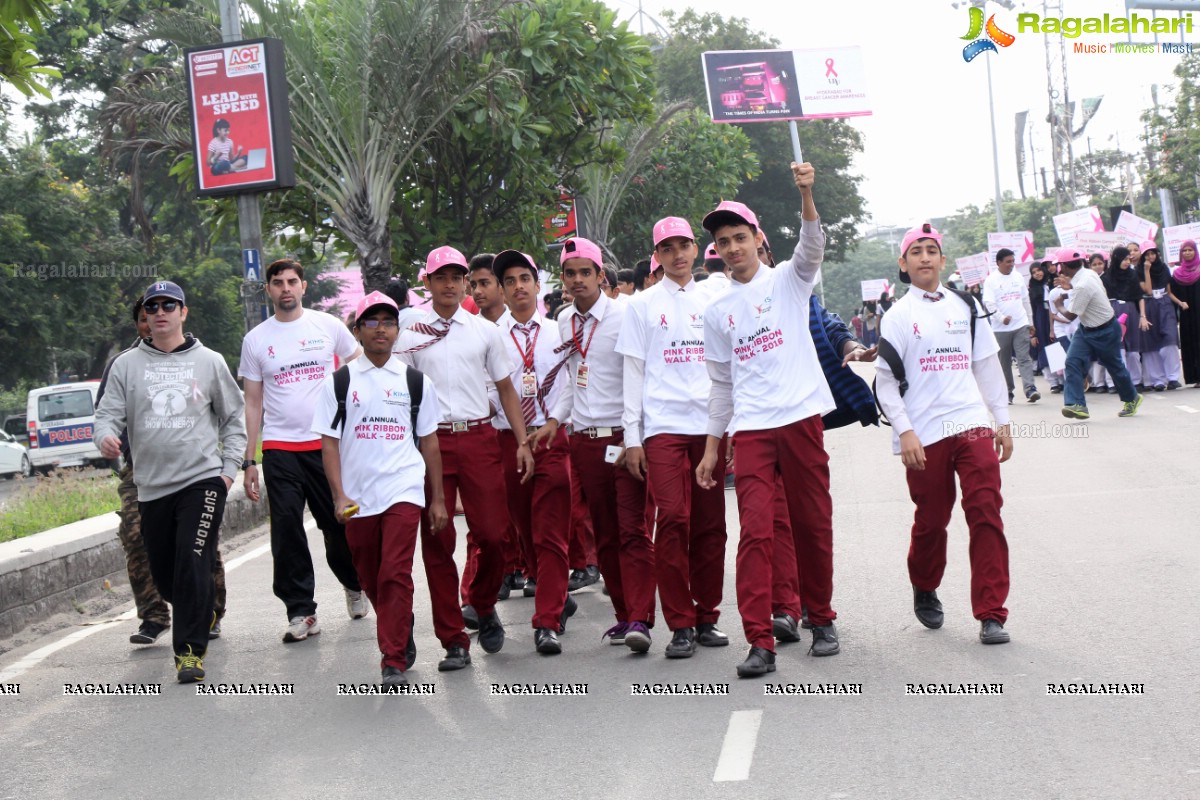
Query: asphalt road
point(1102, 534)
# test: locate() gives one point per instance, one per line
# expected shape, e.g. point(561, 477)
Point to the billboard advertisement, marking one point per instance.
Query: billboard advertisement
point(768, 85)
point(241, 134)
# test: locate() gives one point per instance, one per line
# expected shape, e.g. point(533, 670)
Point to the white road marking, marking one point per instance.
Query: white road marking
point(38, 656)
point(1188, 409)
point(738, 750)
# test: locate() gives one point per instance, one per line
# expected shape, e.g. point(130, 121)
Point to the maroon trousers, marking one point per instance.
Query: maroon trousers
point(617, 502)
point(541, 511)
point(972, 455)
point(382, 548)
point(516, 559)
point(794, 454)
point(470, 461)
point(786, 583)
point(582, 552)
point(689, 540)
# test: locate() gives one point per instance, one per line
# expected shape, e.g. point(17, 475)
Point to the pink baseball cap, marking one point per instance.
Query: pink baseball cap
point(509, 258)
point(578, 247)
point(445, 256)
point(924, 231)
point(371, 301)
point(1068, 254)
point(711, 252)
point(729, 212)
point(654, 265)
point(1148, 245)
point(669, 227)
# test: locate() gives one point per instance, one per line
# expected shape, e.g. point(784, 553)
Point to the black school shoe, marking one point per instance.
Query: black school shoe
point(928, 609)
point(785, 628)
point(392, 679)
point(569, 609)
point(707, 635)
point(759, 662)
point(491, 633)
point(546, 642)
point(410, 649)
point(470, 617)
point(456, 658)
point(825, 640)
point(682, 644)
point(992, 632)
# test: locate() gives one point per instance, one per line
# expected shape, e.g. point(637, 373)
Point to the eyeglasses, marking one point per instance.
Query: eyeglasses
point(386, 324)
point(167, 305)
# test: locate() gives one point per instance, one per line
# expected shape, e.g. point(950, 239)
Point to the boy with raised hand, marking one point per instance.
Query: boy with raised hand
point(183, 413)
point(540, 509)
point(941, 428)
point(463, 355)
point(666, 388)
point(376, 472)
point(767, 378)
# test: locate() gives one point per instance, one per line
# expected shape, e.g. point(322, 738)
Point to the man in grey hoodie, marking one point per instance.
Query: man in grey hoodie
point(178, 402)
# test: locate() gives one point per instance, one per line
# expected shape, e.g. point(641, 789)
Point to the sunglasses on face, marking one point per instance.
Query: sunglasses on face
point(167, 305)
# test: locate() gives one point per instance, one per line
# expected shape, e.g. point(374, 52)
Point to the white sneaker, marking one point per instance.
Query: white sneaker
point(357, 604)
point(300, 628)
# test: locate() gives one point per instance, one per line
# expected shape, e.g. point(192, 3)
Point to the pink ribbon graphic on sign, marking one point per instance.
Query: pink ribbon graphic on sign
point(662, 320)
point(354, 397)
point(1099, 223)
point(1028, 256)
point(829, 70)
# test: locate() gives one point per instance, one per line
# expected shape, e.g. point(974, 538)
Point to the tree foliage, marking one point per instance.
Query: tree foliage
point(20, 66)
point(1174, 146)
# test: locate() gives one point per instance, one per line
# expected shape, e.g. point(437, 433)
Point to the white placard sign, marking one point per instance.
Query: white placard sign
point(1102, 242)
point(1175, 236)
point(1020, 242)
point(1083, 220)
point(873, 289)
point(1136, 228)
point(974, 269)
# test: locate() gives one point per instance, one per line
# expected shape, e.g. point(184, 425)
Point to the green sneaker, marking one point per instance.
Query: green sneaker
point(1130, 408)
point(189, 667)
point(1077, 412)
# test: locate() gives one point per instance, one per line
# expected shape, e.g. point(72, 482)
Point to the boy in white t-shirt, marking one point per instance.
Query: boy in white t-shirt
point(941, 427)
point(377, 475)
point(284, 361)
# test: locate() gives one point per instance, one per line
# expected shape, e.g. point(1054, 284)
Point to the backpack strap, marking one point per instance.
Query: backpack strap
point(975, 304)
point(341, 386)
point(416, 391)
point(892, 358)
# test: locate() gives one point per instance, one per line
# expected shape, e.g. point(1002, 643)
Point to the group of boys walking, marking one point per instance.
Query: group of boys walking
point(634, 404)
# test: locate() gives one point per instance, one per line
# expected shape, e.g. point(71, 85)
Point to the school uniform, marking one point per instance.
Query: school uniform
point(540, 509)
point(953, 383)
point(384, 473)
point(767, 378)
point(462, 356)
point(616, 500)
point(666, 388)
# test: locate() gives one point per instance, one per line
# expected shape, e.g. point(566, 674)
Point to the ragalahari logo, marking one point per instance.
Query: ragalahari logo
point(979, 44)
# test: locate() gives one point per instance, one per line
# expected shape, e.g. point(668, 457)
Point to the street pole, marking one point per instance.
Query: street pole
point(995, 149)
point(254, 306)
point(1166, 202)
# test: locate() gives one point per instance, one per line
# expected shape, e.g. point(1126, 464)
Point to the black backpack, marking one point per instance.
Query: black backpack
point(416, 386)
point(892, 357)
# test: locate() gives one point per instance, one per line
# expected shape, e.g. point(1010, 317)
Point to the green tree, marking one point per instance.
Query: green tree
point(841, 288)
point(20, 66)
point(1174, 143)
point(828, 144)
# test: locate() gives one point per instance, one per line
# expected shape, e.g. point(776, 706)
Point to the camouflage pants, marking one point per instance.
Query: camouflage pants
point(150, 605)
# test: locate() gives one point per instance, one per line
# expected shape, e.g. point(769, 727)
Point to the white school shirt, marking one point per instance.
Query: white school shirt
point(715, 285)
point(462, 365)
point(664, 328)
point(600, 403)
point(944, 395)
point(291, 360)
point(548, 338)
point(756, 335)
point(381, 465)
point(1062, 329)
point(1007, 296)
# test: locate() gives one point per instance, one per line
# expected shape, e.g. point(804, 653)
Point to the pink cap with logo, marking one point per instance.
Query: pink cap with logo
point(729, 212)
point(669, 227)
point(923, 231)
point(1148, 245)
point(578, 247)
point(654, 265)
point(1067, 254)
point(445, 256)
point(372, 300)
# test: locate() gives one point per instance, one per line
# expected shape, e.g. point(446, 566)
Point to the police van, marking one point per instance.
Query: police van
point(59, 420)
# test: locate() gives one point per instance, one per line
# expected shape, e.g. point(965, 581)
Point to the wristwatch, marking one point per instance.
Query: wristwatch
point(249, 462)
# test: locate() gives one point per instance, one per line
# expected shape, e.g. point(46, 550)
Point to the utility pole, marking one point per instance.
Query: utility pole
point(995, 151)
point(1166, 201)
point(254, 306)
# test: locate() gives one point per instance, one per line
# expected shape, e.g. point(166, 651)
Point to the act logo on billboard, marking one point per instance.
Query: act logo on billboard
point(245, 60)
point(982, 44)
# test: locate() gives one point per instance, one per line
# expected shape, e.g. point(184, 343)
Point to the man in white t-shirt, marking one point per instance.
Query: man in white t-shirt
point(463, 354)
point(1006, 295)
point(377, 471)
point(666, 388)
point(284, 361)
point(941, 427)
point(767, 377)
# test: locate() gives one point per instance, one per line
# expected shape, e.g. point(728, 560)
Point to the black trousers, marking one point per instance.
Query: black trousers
point(291, 479)
point(180, 532)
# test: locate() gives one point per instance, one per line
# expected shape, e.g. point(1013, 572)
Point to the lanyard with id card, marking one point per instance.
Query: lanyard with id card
point(581, 374)
point(529, 384)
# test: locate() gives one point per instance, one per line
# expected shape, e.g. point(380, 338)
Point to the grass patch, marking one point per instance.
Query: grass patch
point(60, 498)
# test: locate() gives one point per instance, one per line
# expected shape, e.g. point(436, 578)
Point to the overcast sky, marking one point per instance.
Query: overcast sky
point(928, 144)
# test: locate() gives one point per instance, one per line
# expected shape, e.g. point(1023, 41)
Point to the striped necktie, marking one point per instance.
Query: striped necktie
point(528, 404)
point(438, 333)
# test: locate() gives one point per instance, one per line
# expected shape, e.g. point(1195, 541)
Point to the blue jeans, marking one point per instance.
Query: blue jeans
point(1103, 344)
